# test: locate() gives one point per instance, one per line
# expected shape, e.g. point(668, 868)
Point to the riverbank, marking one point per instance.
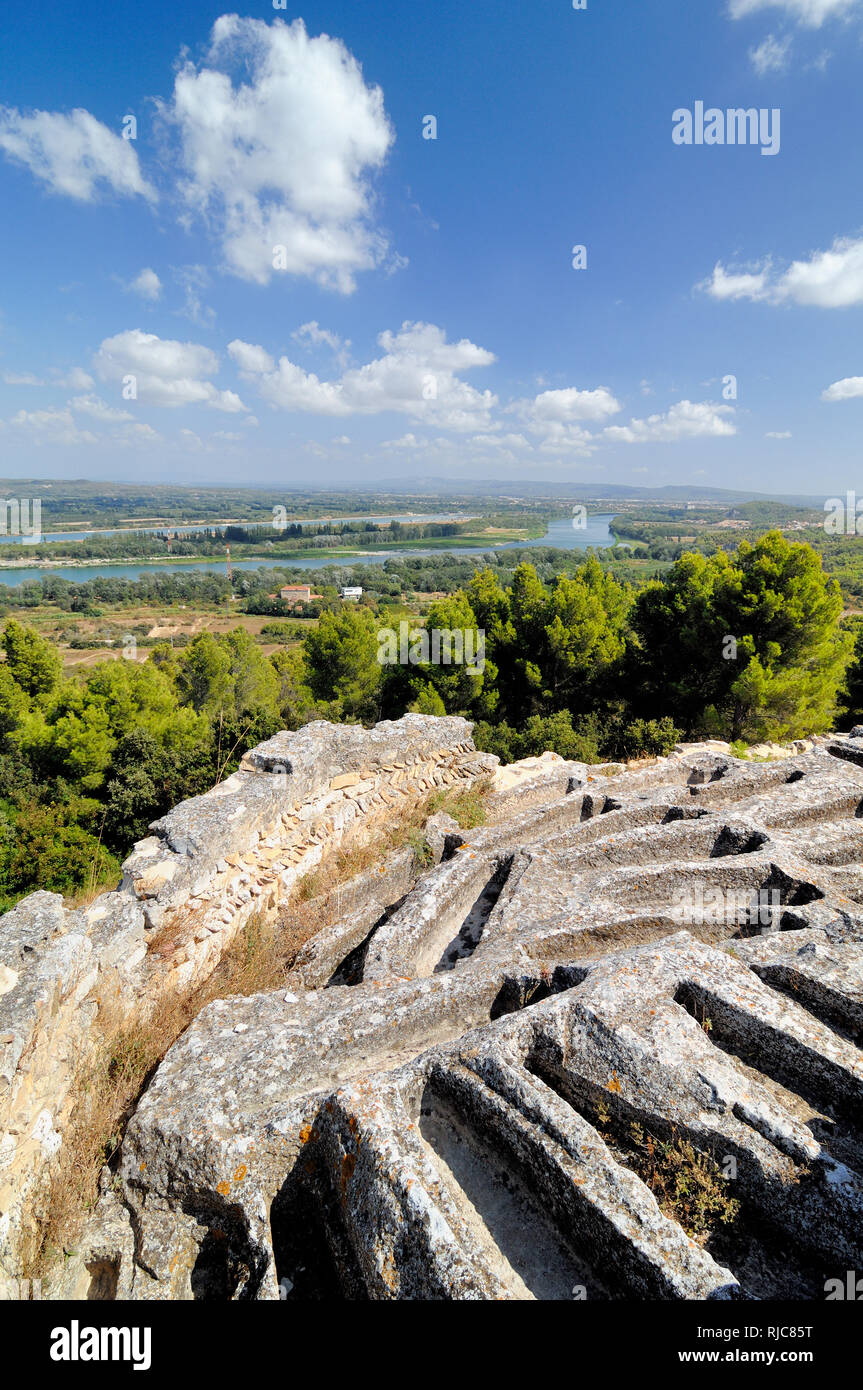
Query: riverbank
point(190, 528)
point(271, 551)
point(558, 535)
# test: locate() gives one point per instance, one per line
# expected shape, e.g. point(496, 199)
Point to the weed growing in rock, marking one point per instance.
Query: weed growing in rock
point(687, 1184)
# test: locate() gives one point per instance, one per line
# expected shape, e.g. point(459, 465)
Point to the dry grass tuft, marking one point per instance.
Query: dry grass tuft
point(467, 807)
point(107, 1085)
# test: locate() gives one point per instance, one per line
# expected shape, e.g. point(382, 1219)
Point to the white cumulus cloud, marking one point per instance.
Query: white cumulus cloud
point(826, 280)
point(147, 284)
point(73, 154)
point(736, 284)
point(848, 389)
point(251, 359)
point(283, 159)
point(567, 405)
point(685, 420)
point(52, 427)
point(829, 279)
point(166, 372)
point(417, 375)
point(557, 418)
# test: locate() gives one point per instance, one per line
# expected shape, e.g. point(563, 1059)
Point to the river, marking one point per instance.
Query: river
point(562, 535)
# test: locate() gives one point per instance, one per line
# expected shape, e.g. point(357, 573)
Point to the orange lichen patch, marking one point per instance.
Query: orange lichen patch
point(223, 1188)
point(389, 1274)
point(614, 1084)
point(305, 1134)
point(240, 1173)
point(349, 1163)
point(142, 1167)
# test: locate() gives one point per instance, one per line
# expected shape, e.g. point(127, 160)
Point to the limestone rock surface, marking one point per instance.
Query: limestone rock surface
point(620, 967)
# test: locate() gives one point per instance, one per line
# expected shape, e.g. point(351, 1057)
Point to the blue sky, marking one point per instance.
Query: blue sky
point(280, 280)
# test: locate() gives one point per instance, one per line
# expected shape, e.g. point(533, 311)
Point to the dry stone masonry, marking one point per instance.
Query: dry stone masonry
point(453, 1096)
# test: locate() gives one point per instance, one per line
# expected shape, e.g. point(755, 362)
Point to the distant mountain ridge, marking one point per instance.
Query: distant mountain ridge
point(591, 491)
point(406, 488)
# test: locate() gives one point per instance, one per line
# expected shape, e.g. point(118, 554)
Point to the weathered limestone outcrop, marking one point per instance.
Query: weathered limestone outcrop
point(453, 1095)
point(674, 952)
point(58, 967)
point(209, 866)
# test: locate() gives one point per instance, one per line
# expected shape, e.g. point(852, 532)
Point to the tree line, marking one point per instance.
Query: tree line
point(748, 646)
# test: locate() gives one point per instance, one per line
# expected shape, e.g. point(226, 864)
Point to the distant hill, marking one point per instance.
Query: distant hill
point(67, 494)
